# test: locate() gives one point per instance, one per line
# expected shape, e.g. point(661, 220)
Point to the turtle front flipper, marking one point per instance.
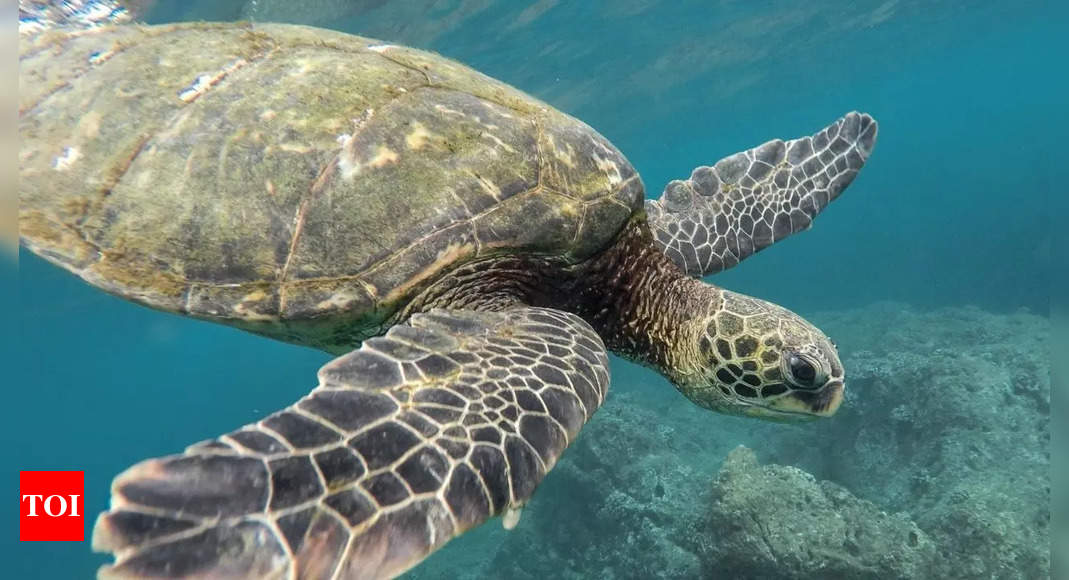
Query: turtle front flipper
point(407, 442)
point(752, 199)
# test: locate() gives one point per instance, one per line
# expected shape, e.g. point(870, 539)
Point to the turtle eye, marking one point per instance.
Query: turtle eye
point(803, 373)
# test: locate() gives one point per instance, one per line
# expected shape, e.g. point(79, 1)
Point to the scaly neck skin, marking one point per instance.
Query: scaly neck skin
point(641, 303)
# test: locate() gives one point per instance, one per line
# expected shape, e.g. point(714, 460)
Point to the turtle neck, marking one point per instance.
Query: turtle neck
point(637, 299)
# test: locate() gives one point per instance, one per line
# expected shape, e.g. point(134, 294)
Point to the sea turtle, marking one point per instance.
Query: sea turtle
point(471, 253)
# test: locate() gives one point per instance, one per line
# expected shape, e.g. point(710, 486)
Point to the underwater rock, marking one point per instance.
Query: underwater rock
point(776, 521)
point(987, 533)
point(947, 417)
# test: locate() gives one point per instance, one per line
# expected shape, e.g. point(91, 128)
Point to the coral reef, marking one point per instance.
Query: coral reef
point(936, 466)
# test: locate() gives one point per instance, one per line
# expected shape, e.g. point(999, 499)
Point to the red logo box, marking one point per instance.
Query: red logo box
point(51, 506)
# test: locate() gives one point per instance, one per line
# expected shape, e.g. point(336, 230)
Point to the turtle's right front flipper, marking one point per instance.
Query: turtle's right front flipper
point(407, 442)
point(748, 201)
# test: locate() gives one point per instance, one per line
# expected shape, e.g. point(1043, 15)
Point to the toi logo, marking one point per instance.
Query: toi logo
point(51, 506)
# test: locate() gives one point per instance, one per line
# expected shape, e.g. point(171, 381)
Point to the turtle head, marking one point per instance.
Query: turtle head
point(750, 357)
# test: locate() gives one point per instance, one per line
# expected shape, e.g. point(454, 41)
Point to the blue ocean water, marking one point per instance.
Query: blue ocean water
point(952, 209)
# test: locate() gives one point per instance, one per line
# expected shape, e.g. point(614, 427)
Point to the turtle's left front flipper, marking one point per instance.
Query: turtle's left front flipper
point(750, 200)
point(407, 442)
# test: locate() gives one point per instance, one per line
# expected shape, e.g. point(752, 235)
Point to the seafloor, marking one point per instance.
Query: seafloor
point(937, 466)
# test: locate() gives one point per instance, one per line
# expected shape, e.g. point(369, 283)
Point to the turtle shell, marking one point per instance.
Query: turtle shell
point(293, 181)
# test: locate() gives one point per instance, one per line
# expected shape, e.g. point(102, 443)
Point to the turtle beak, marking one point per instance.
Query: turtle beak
point(831, 396)
point(820, 403)
point(798, 406)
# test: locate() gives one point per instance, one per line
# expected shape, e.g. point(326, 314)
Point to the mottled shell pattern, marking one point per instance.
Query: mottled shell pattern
point(292, 181)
